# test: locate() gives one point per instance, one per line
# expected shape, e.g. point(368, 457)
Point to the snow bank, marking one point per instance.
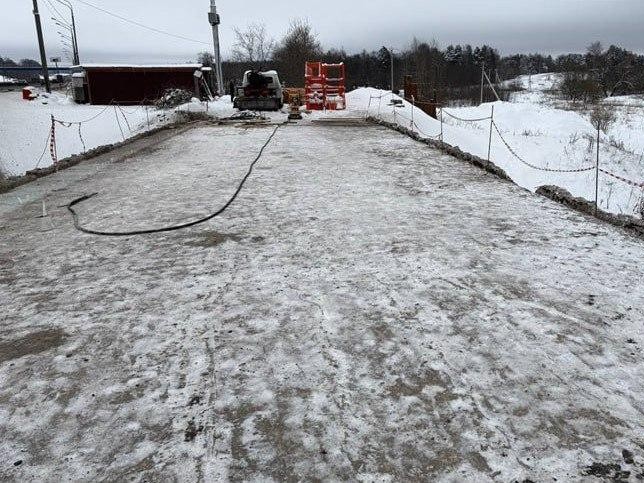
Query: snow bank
point(542, 136)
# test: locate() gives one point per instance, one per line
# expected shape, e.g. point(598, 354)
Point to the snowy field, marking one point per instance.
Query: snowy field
point(541, 135)
point(25, 127)
point(368, 310)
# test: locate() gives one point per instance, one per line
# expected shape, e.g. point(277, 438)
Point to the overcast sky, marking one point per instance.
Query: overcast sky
point(550, 26)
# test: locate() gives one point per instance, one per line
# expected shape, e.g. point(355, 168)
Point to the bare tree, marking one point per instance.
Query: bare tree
point(300, 44)
point(206, 59)
point(602, 117)
point(595, 50)
point(253, 45)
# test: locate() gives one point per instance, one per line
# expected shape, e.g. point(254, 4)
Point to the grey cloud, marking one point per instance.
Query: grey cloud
point(551, 26)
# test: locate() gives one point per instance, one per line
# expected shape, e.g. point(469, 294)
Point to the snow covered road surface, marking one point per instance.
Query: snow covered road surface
point(368, 310)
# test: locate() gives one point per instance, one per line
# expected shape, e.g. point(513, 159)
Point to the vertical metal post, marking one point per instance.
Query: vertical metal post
point(215, 20)
point(489, 147)
point(441, 123)
point(196, 85)
point(482, 80)
point(41, 44)
point(413, 104)
point(597, 173)
point(391, 54)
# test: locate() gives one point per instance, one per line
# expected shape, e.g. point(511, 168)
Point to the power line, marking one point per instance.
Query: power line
point(152, 29)
point(60, 17)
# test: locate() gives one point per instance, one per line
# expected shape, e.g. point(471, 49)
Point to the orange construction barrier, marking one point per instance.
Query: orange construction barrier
point(325, 86)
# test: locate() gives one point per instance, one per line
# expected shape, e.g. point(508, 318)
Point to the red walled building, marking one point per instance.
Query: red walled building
point(130, 84)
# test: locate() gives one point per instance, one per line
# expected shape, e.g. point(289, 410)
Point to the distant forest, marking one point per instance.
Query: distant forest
point(444, 73)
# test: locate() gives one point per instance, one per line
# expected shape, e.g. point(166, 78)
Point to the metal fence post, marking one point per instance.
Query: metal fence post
point(413, 104)
point(597, 172)
point(489, 147)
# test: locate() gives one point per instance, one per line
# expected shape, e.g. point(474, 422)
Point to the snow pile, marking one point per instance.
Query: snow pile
point(221, 108)
point(540, 135)
point(8, 80)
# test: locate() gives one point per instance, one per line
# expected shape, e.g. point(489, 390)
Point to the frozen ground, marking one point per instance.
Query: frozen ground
point(368, 310)
point(542, 135)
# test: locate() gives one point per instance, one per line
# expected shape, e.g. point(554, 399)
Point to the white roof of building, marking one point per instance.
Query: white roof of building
point(140, 66)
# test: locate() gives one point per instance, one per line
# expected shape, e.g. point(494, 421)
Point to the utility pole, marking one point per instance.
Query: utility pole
point(76, 54)
point(391, 53)
point(41, 44)
point(391, 57)
point(215, 20)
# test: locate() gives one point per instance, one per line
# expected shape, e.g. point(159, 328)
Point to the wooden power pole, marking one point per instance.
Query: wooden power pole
point(41, 44)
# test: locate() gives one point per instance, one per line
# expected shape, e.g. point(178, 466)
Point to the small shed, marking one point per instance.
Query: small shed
point(134, 84)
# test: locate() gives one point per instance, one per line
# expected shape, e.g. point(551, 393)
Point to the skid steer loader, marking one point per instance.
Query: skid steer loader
point(260, 91)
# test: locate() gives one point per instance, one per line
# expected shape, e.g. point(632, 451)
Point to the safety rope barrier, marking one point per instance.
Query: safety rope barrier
point(125, 117)
point(465, 120)
point(70, 123)
point(42, 155)
point(622, 179)
point(512, 151)
point(420, 131)
point(533, 166)
point(80, 135)
point(116, 114)
point(382, 95)
point(579, 170)
point(52, 142)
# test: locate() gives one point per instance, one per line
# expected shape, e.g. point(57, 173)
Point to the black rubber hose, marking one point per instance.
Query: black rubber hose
point(77, 201)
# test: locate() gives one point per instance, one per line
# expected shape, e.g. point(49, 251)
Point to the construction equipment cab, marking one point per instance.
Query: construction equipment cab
point(260, 91)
